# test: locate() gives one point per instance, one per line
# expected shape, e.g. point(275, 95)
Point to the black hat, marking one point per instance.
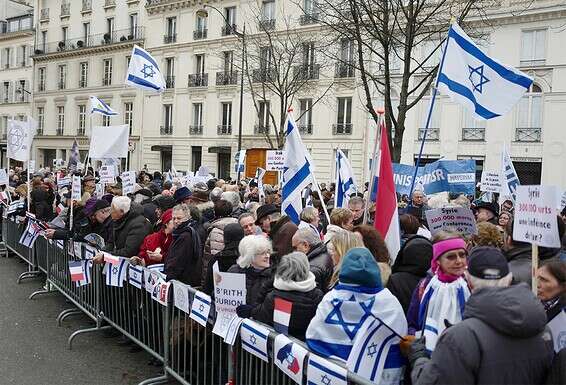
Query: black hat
point(164, 202)
point(265, 210)
point(487, 262)
point(233, 234)
point(181, 194)
point(493, 207)
point(99, 205)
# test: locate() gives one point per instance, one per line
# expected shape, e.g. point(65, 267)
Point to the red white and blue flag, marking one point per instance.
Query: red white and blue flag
point(76, 270)
point(282, 315)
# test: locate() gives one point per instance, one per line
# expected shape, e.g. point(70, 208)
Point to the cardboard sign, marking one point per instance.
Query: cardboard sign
point(274, 160)
point(76, 188)
point(458, 219)
point(490, 182)
point(535, 216)
point(229, 293)
point(107, 174)
point(128, 182)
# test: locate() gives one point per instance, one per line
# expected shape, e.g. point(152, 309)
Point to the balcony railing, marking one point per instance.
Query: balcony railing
point(107, 81)
point(267, 24)
point(109, 3)
point(17, 25)
point(39, 131)
point(226, 78)
point(44, 14)
point(59, 132)
point(224, 129)
point(119, 36)
point(81, 131)
point(342, 128)
point(344, 70)
point(432, 134)
point(309, 18)
point(166, 130)
point(65, 9)
point(61, 85)
point(473, 134)
point(170, 82)
point(228, 29)
point(200, 34)
point(307, 71)
point(171, 38)
point(261, 129)
point(263, 75)
point(41, 86)
point(533, 134)
point(83, 83)
point(87, 6)
point(305, 129)
point(198, 80)
point(195, 130)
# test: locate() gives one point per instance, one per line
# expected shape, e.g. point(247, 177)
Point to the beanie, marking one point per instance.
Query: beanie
point(360, 268)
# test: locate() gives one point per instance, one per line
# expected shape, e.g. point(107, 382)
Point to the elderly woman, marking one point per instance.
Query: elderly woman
point(504, 218)
point(440, 298)
point(296, 284)
point(130, 227)
point(155, 247)
point(254, 262)
point(551, 287)
point(184, 261)
point(343, 218)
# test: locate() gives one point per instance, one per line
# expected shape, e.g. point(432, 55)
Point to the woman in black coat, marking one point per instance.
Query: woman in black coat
point(411, 265)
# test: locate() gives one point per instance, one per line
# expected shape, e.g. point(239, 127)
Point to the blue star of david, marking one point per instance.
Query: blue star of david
point(350, 328)
point(147, 71)
point(372, 349)
point(201, 307)
point(253, 340)
point(476, 78)
point(114, 270)
point(325, 380)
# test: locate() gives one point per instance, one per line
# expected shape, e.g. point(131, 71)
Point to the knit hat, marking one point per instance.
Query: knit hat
point(181, 194)
point(164, 202)
point(490, 206)
point(441, 247)
point(200, 192)
point(88, 209)
point(360, 268)
point(99, 205)
point(233, 234)
point(488, 263)
point(167, 216)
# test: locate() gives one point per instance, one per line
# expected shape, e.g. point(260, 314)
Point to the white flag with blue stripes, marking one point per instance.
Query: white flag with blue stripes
point(99, 106)
point(143, 71)
point(116, 273)
point(324, 372)
point(135, 276)
point(483, 85)
point(345, 182)
point(297, 171)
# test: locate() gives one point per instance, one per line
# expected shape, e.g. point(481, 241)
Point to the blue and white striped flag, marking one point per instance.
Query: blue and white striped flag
point(143, 71)
point(324, 372)
point(254, 339)
point(116, 273)
point(135, 276)
point(345, 182)
point(480, 83)
point(509, 177)
point(297, 171)
point(87, 268)
point(99, 106)
point(200, 308)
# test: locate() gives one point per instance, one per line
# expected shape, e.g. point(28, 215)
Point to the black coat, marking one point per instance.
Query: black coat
point(302, 312)
point(226, 259)
point(258, 283)
point(42, 203)
point(128, 233)
point(321, 265)
point(184, 260)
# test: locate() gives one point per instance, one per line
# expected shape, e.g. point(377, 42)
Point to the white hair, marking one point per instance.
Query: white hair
point(232, 197)
point(184, 208)
point(479, 283)
point(293, 267)
point(251, 246)
point(308, 236)
point(122, 203)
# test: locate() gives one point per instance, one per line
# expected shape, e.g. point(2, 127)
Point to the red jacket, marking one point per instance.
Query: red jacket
point(152, 242)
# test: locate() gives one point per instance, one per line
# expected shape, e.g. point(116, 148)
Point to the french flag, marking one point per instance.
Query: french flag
point(386, 217)
point(111, 259)
point(282, 315)
point(76, 269)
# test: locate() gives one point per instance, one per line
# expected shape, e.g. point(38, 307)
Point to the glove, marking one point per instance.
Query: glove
point(405, 344)
point(417, 350)
point(244, 311)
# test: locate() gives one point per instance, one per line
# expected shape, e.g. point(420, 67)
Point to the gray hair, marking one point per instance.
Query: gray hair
point(122, 203)
point(309, 214)
point(356, 200)
point(184, 208)
point(215, 194)
point(293, 267)
point(232, 197)
point(479, 283)
point(245, 215)
point(308, 236)
point(250, 246)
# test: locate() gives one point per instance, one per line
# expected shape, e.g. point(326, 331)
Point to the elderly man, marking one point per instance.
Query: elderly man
point(247, 221)
point(356, 205)
point(320, 262)
point(419, 199)
point(487, 212)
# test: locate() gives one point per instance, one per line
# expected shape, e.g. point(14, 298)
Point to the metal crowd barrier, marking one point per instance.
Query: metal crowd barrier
point(11, 233)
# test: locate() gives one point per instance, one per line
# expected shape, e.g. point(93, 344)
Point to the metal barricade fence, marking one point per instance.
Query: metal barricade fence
point(11, 237)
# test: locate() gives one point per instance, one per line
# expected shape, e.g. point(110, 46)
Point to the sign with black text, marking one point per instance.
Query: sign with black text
point(458, 219)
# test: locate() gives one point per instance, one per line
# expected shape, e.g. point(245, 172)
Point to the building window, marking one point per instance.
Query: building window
point(23, 56)
point(82, 120)
point(230, 15)
point(6, 93)
point(129, 115)
point(167, 128)
point(344, 117)
point(41, 79)
point(134, 25)
point(64, 34)
point(228, 61)
point(170, 72)
point(83, 75)
point(473, 129)
point(105, 120)
point(225, 127)
point(433, 132)
point(62, 76)
point(263, 117)
point(43, 41)
point(268, 10)
point(6, 57)
point(60, 120)
point(196, 157)
point(265, 56)
point(305, 113)
point(171, 30)
point(533, 47)
point(529, 116)
point(200, 28)
point(86, 34)
point(110, 26)
point(200, 64)
point(107, 76)
point(197, 126)
point(40, 120)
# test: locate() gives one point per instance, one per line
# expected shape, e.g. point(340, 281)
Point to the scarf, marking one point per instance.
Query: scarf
point(302, 286)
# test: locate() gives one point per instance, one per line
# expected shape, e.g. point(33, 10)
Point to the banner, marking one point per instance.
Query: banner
point(109, 142)
point(458, 219)
point(19, 137)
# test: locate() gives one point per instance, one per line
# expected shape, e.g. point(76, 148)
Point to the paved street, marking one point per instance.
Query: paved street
point(33, 349)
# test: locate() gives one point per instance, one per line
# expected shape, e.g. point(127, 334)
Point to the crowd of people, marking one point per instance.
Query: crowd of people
point(470, 315)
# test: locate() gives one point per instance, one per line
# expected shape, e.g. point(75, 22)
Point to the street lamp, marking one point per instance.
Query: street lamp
point(242, 35)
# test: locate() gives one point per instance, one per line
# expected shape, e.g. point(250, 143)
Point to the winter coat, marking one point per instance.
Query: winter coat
point(499, 341)
point(129, 233)
point(42, 203)
point(321, 265)
point(258, 282)
point(237, 212)
point(184, 260)
point(104, 229)
point(152, 242)
point(519, 259)
point(557, 373)
point(553, 311)
point(226, 259)
point(214, 242)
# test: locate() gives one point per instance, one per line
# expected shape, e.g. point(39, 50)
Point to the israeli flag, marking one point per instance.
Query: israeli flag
point(116, 273)
point(135, 276)
point(297, 171)
point(324, 372)
point(99, 106)
point(509, 177)
point(200, 308)
point(143, 71)
point(483, 85)
point(345, 182)
point(254, 339)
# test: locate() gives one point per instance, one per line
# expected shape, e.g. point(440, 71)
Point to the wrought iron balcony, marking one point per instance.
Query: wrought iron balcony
point(224, 129)
point(44, 14)
point(263, 75)
point(198, 80)
point(83, 83)
point(307, 71)
point(305, 129)
point(41, 86)
point(228, 29)
point(266, 24)
point(170, 38)
point(65, 9)
point(344, 70)
point(170, 82)
point(166, 130)
point(309, 18)
point(81, 131)
point(532, 134)
point(262, 129)
point(473, 134)
point(200, 34)
point(432, 134)
point(195, 130)
point(226, 78)
point(17, 25)
point(342, 128)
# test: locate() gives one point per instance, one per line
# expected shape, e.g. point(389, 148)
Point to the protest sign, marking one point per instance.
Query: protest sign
point(109, 142)
point(76, 188)
point(490, 182)
point(240, 159)
point(229, 293)
point(107, 174)
point(557, 328)
point(561, 202)
point(128, 182)
point(274, 160)
point(3, 177)
point(62, 182)
point(31, 166)
point(458, 219)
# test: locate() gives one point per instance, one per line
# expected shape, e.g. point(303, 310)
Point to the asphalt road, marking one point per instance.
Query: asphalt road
point(33, 349)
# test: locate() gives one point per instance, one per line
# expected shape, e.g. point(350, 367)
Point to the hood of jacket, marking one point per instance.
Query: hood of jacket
point(519, 252)
point(414, 257)
point(512, 310)
point(318, 250)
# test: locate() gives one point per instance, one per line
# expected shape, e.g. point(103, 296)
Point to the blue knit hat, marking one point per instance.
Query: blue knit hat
point(360, 268)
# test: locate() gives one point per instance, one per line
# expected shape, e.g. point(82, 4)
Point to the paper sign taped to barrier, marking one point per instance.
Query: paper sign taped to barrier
point(76, 188)
point(200, 308)
point(181, 296)
point(458, 219)
point(229, 293)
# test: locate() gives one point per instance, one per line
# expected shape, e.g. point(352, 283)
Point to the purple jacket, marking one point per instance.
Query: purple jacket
point(413, 311)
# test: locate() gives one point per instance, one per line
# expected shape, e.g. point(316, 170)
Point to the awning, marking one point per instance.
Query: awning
point(159, 147)
point(220, 150)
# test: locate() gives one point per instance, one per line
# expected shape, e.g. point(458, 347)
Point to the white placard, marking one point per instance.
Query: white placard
point(274, 160)
point(490, 182)
point(76, 188)
point(557, 328)
point(4, 177)
point(107, 174)
point(229, 293)
point(181, 296)
point(31, 166)
point(289, 357)
point(128, 182)
point(535, 216)
point(459, 219)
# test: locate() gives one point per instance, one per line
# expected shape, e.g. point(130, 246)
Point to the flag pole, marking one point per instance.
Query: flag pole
point(380, 111)
point(535, 268)
point(321, 198)
point(428, 118)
